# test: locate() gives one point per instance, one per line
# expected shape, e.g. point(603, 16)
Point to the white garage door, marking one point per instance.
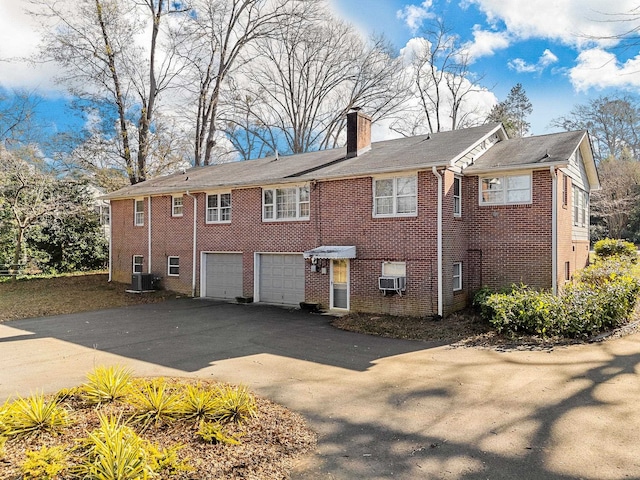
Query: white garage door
point(223, 275)
point(281, 278)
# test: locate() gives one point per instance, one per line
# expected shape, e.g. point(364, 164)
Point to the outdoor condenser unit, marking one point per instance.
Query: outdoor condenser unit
point(142, 281)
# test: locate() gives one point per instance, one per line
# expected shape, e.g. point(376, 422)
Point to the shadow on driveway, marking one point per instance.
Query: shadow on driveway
point(191, 334)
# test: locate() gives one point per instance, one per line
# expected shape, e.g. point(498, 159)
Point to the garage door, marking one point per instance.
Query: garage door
point(223, 275)
point(281, 279)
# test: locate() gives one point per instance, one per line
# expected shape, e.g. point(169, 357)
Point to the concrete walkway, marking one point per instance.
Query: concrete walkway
point(382, 408)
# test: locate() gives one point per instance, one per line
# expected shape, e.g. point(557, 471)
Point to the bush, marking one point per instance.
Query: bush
point(610, 247)
point(603, 297)
point(106, 384)
point(32, 416)
point(45, 464)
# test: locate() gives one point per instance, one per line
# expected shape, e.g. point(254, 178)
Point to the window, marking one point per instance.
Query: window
point(219, 208)
point(565, 190)
point(580, 207)
point(139, 212)
point(457, 276)
point(394, 197)
point(138, 261)
point(509, 189)
point(394, 269)
point(285, 203)
point(457, 196)
point(176, 206)
point(567, 271)
point(173, 267)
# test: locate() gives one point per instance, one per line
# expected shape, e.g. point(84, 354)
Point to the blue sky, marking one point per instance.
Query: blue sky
point(542, 44)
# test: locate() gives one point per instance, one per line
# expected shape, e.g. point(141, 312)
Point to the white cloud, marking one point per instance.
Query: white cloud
point(571, 22)
point(485, 43)
point(546, 59)
point(597, 68)
point(19, 39)
point(415, 15)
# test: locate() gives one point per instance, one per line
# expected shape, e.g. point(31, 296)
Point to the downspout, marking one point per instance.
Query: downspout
point(554, 230)
point(110, 244)
point(195, 236)
point(149, 238)
point(439, 239)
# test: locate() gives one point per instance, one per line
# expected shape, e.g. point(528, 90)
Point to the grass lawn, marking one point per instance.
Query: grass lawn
point(39, 297)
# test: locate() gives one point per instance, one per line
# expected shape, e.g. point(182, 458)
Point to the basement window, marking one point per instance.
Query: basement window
point(173, 267)
point(138, 261)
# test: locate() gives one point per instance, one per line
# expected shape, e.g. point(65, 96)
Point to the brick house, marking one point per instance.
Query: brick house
point(411, 226)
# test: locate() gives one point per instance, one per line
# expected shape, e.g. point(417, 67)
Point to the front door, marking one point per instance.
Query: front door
point(340, 284)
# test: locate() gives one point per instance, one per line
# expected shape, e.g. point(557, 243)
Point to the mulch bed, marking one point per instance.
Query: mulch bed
point(270, 442)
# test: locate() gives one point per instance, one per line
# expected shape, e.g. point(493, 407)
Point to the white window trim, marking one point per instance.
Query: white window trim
point(169, 266)
point(503, 177)
point(394, 196)
point(394, 269)
point(173, 206)
point(458, 197)
point(218, 208)
point(459, 277)
point(134, 263)
point(580, 201)
point(138, 214)
point(274, 205)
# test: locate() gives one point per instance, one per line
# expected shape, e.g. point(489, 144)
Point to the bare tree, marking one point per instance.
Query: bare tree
point(614, 203)
point(442, 84)
point(306, 77)
point(106, 61)
point(215, 37)
point(613, 122)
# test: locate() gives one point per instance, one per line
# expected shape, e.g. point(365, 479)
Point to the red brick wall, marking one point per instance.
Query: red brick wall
point(341, 214)
point(497, 245)
point(513, 241)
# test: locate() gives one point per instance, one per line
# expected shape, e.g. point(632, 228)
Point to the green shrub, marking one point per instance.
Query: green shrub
point(525, 311)
point(213, 432)
point(155, 403)
point(603, 297)
point(115, 452)
point(44, 464)
point(106, 384)
point(234, 404)
point(166, 461)
point(199, 403)
point(33, 415)
point(610, 247)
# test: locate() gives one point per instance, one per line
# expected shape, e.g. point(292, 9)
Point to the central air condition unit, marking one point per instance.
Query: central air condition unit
point(396, 284)
point(141, 282)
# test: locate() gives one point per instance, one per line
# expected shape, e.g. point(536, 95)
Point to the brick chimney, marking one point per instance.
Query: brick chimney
point(358, 133)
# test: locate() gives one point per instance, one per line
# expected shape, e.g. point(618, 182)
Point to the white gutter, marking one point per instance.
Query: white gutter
point(554, 231)
point(110, 244)
point(149, 237)
point(195, 237)
point(439, 240)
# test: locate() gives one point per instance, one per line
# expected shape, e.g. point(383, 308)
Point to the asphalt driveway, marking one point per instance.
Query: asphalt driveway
point(382, 408)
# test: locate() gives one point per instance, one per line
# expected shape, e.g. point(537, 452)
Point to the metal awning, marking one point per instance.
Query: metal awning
point(331, 251)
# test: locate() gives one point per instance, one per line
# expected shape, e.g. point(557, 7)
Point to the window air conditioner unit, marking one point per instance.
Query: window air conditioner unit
point(141, 282)
point(397, 284)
